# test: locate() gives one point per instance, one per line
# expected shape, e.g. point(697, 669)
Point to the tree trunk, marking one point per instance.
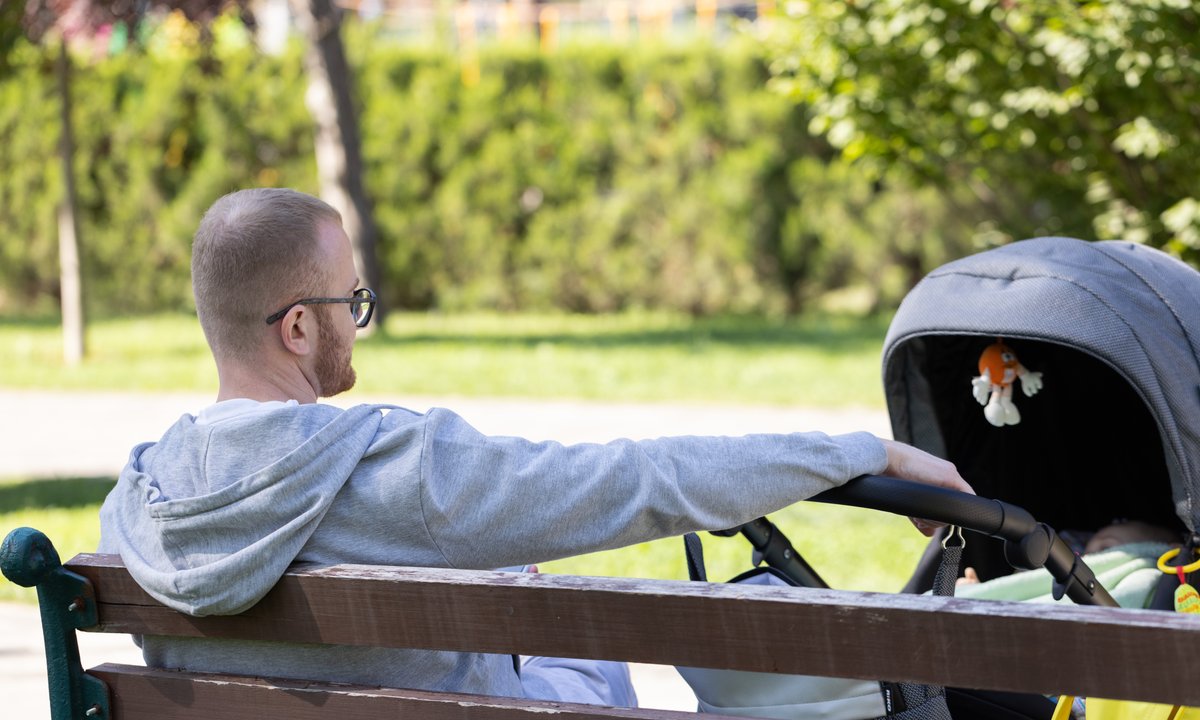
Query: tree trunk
point(338, 144)
point(70, 279)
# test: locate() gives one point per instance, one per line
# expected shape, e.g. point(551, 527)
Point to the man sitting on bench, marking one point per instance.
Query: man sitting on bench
point(208, 518)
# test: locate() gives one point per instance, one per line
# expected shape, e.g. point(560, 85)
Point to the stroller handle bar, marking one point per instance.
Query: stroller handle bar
point(1028, 543)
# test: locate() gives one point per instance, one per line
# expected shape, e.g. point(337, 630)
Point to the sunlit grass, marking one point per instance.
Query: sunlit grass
point(850, 548)
point(156, 353)
point(813, 362)
point(66, 510)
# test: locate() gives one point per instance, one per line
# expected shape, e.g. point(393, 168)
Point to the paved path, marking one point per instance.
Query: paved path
point(102, 427)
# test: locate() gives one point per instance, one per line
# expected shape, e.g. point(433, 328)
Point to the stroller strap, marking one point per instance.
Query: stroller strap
point(899, 697)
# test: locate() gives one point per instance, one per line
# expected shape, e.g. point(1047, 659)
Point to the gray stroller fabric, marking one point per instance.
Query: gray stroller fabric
point(792, 697)
point(1130, 311)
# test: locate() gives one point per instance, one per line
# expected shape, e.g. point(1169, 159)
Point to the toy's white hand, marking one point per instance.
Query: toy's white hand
point(1031, 382)
point(982, 387)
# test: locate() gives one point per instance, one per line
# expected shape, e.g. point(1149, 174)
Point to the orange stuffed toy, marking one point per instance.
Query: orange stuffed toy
point(998, 370)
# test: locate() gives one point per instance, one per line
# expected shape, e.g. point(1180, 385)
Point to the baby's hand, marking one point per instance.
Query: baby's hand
point(970, 577)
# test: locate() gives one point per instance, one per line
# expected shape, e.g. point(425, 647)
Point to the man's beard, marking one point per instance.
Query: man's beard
point(334, 371)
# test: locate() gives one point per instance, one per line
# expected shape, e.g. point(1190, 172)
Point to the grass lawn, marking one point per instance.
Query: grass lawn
point(67, 510)
point(825, 361)
point(828, 361)
point(851, 548)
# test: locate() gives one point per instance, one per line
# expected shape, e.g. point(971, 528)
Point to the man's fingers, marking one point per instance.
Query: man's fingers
point(910, 463)
point(926, 527)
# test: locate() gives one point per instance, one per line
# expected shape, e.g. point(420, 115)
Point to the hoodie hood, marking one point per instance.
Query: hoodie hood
point(210, 533)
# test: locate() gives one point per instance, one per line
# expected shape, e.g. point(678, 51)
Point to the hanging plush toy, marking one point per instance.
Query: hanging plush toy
point(998, 370)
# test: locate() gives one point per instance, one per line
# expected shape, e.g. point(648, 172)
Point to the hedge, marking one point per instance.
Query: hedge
point(593, 179)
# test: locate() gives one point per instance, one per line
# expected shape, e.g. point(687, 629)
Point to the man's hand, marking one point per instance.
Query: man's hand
point(909, 463)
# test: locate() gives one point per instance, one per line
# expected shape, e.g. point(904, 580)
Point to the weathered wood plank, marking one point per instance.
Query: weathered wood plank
point(1100, 652)
point(139, 693)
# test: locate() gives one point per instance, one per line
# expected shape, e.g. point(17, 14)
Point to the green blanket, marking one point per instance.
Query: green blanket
point(1128, 572)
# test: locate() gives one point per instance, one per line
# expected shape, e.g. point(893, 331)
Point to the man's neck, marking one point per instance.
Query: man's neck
point(263, 385)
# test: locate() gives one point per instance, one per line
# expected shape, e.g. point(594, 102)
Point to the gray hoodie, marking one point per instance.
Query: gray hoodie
point(208, 518)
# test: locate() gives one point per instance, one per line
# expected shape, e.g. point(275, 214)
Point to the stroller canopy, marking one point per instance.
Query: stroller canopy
point(1115, 329)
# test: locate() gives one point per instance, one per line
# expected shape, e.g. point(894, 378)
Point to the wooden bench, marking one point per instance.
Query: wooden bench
point(1089, 651)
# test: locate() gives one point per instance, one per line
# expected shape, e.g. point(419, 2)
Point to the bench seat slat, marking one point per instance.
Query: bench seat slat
point(138, 693)
point(976, 644)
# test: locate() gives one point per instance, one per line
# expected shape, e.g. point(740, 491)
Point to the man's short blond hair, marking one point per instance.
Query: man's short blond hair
point(254, 252)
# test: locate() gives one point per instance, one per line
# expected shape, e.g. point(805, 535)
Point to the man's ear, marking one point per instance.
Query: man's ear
point(297, 330)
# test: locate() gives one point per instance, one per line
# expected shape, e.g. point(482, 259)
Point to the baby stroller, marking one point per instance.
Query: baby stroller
point(1113, 328)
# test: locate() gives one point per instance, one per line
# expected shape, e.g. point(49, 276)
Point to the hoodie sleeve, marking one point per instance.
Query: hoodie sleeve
point(495, 501)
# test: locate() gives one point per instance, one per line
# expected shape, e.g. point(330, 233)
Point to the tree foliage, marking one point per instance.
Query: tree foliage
point(1079, 117)
point(594, 179)
point(157, 141)
point(58, 22)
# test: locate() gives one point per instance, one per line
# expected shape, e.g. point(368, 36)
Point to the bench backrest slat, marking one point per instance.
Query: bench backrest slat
point(139, 693)
point(1023, 647)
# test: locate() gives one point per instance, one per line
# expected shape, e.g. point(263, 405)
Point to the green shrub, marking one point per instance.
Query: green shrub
point(597, 178)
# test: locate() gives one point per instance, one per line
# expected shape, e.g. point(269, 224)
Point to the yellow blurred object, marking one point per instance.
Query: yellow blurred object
point(706, 14)
point(548, 20)
point(464, 20)
point(618, 20)
point(507, 22)
point(1101, 709)
point(1062, 711)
